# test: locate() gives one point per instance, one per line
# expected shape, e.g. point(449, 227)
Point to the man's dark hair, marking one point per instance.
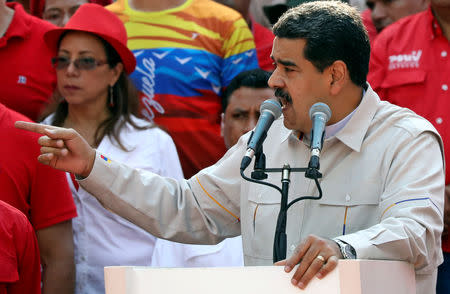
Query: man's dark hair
point(255, 78)
point(333, 30)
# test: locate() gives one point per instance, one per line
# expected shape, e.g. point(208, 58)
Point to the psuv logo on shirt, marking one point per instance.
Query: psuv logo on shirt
point(410, 60)
point(22, 80)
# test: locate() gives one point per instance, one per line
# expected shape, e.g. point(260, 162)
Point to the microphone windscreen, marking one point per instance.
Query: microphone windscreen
point(273, 106)
point(320, 107)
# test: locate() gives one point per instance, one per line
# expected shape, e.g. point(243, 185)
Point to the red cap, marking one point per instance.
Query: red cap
point(94, 19)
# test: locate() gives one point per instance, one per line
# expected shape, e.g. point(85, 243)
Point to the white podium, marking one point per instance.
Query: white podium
point(350, 277)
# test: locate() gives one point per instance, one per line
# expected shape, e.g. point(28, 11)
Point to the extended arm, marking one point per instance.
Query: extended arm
point(176, 210)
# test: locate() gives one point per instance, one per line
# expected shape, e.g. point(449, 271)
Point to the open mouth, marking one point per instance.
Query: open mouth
point(283, 97)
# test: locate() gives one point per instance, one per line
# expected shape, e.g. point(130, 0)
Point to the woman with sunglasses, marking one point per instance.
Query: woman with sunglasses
point(92, 62)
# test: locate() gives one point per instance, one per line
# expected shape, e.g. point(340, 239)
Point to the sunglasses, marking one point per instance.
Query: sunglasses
point(82, 63)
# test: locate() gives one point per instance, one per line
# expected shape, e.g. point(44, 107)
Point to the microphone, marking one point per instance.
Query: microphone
point(319, 113)
point(270, 110)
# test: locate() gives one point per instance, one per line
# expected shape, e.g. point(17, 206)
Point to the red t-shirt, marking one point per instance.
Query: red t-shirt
point(263, 44)
point(410, 67)
point(20, 270)
point(366, 17)
point(39, 191)
point(27, 79)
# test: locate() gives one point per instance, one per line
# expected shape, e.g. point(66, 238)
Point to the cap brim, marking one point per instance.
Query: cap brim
point(53, 36)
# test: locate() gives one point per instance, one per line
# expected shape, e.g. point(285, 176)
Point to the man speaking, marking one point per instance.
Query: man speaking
point(382, 166)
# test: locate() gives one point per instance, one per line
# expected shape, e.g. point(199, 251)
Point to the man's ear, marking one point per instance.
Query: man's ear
point(222, 124)
point(339, 76)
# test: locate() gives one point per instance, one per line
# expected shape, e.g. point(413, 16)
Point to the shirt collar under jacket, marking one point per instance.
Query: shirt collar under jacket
point(352, 128)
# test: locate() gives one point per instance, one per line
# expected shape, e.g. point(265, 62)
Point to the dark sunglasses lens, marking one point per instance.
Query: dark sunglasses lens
point(85, 63)
point(60, 62)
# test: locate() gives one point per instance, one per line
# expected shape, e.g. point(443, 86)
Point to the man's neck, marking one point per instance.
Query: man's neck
point(154, 5)
point(347, 101)
point(442, 15)
point(6, 16)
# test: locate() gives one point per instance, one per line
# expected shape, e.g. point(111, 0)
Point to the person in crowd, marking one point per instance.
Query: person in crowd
point(42, 194)
point(382, 166)
point(28, 79)
point(262, 35)
point(378, 15)
point(58, 12)
point(92, 65)
point(241, 103)
point(381, 13)
point(20, 270)
point(187, 51)
point(410, 67)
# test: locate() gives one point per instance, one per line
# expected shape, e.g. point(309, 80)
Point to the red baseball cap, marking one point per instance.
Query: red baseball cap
point(94, 19)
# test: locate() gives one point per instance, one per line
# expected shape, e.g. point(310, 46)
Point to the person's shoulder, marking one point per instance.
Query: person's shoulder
point(12, 215)
point(39, 26)
point(147, 129)
point(140, 121)
point(9, 116)
point(404, 118)
point(48, 120)
point(403, 27)
point(27, 25)
point(23, 143)
point(42, 24)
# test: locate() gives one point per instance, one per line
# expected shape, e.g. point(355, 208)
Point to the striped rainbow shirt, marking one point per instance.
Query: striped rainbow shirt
point(185, 57)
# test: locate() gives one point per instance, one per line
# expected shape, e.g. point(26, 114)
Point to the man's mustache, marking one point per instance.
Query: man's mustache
point(280, 94)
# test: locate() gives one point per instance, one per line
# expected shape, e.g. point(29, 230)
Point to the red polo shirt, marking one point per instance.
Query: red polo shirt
point(27, 79)
point(20, 270)
point(37, 190)
point(410, 67)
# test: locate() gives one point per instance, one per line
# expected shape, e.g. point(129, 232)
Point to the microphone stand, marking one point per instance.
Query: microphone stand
point(260, 173)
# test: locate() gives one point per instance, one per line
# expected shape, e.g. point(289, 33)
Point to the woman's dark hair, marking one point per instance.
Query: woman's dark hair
point(125, 98)
point(333, 31)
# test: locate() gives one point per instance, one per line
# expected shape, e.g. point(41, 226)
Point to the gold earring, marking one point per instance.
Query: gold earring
point(111, 96)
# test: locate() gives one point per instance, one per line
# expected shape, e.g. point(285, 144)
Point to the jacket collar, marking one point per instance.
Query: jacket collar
point(353, 133)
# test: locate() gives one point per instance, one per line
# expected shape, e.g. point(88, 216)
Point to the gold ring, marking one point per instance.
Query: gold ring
point(321, 258)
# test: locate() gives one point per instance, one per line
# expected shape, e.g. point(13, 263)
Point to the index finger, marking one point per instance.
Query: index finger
point(32, 127)
point(52, 132)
